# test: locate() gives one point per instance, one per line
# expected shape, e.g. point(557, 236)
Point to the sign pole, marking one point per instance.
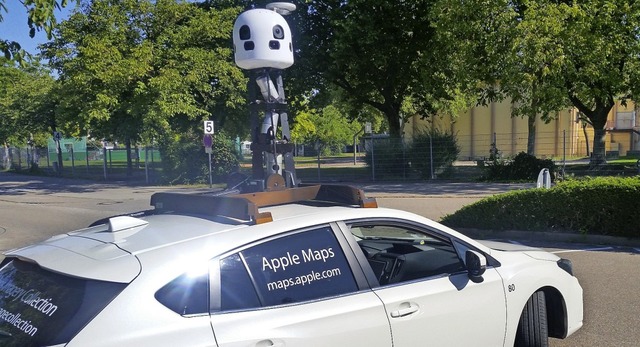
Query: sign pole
point(207, 141)
point(210, 180)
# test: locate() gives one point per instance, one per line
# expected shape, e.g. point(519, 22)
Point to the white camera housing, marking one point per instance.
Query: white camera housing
point(262, 39)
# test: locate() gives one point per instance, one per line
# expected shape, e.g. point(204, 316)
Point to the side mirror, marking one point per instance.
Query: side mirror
point(476, 265)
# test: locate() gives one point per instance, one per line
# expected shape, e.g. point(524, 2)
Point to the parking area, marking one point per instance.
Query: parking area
point(611, 282)
point(32, 209)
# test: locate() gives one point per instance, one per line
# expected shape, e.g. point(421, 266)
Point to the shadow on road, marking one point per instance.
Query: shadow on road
point(14, 184)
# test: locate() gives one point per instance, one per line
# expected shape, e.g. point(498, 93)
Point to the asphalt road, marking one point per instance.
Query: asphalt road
point(611, 283)
point(35, 208)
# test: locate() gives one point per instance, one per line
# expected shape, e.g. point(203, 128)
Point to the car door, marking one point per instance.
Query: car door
point(427, 293)
point(296, 290)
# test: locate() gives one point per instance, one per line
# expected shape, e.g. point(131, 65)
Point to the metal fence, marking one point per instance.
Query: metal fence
point(377, 158)
point(96, 163)
point(382, 160)
point(386, 159)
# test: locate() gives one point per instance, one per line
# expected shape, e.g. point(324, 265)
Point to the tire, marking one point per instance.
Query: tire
point(533, 330)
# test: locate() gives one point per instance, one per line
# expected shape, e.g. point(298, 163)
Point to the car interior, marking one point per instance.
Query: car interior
point(398, 255)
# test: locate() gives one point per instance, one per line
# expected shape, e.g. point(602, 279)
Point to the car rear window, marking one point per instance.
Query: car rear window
point(41, 308)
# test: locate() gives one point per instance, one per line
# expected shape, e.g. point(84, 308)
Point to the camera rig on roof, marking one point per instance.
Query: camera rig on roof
point(263, 46)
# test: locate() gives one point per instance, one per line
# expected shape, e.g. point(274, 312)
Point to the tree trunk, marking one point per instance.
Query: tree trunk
point(586, 137)
point(598, 156)
point(393, 119)
point(598, 119)
point(531, 138)
point(59, 152)
point(7, 157)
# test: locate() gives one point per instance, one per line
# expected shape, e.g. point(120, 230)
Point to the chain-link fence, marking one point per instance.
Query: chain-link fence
point(545, 145)
point(376, 158)
point(379, 158)
point(94, 163)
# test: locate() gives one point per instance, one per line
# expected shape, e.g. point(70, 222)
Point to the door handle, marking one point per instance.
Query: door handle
point(405, 311)
point(270, 343)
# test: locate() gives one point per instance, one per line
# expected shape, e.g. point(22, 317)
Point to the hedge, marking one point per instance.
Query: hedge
point(603, 205)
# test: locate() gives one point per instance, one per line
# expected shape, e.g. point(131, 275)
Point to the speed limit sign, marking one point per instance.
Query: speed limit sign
point(208, 127)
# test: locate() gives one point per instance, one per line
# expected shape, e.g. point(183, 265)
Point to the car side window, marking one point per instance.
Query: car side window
point(400, 253)
point(236, 291)
point(188, 294)
point(298, 267)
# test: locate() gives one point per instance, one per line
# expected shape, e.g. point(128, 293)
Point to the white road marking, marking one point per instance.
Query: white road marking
point(584, 250)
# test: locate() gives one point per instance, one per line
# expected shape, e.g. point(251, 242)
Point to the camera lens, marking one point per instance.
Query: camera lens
point(274, 45)
point(245, 32)
point(278, 32)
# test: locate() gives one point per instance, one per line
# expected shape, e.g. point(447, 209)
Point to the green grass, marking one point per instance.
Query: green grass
point(92, 169)
point(626, 161)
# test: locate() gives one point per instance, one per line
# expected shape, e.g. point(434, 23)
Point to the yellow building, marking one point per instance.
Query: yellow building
point(478, 128)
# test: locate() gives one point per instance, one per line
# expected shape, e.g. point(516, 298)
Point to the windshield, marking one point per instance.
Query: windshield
point(42, 308)
point(389, 232)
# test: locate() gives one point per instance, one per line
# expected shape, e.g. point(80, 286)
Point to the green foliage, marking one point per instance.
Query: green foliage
point(389, 157)
point(330, 129)
point(393, 158)
point(524, 167)
point(601, 205)
point(136, 69)
point(545, 55)
point(40, 17)
point(184, 160)
point(442, 145)
point(27, 96)
point(381, 54)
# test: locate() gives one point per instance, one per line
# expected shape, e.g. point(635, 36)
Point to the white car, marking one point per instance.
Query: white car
point(308, 266)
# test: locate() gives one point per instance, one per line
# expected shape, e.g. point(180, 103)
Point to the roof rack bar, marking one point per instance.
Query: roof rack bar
point(279, 197)
point(345, 195)
point(228, 206)
point(245, 206)
point(339, 194)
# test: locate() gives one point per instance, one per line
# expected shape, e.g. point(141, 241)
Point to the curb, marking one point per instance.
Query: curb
point(551, 237)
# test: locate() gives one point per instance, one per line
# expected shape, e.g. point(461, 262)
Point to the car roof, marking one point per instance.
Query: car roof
point(219, 235)
point(118, 249)
point(102, 254)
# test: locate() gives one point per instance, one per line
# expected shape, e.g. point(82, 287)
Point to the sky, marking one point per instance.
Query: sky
point(14, 26)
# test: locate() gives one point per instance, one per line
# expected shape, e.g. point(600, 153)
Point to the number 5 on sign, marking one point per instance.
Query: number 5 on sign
point(208, 127)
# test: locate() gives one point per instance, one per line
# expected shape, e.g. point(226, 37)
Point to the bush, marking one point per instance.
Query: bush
point(604, 205)
point(523, 167)
point(389, 157)
point(184, 161)
point(444, 147)
point(393, 158)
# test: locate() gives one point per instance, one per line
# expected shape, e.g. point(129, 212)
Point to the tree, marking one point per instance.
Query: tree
point(328, 129)
point(136, 70)
point(381, 53)
point(548, 55)
point(40, 17)
point(26, 98)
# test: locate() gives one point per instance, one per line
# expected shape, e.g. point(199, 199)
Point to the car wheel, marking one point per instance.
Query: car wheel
point(533, 330)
